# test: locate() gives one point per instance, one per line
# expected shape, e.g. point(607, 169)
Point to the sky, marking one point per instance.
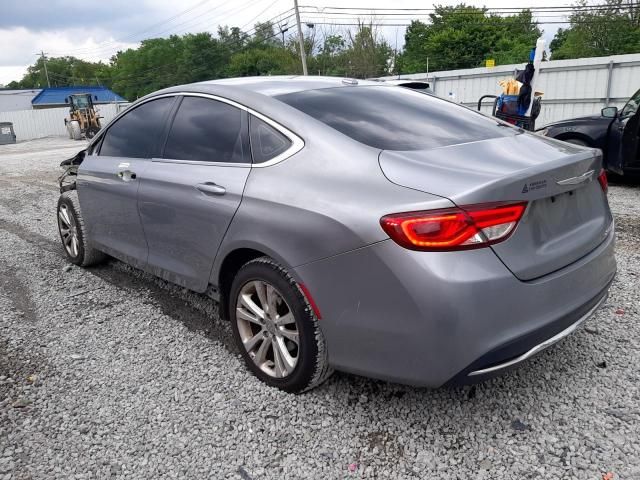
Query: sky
point(96, 30)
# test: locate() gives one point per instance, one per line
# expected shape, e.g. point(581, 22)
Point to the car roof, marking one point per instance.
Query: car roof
point(283, 84)
point(258, 94)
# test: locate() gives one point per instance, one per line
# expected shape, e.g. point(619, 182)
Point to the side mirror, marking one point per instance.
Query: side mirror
point(609, 112)
point(66, 99)
point(95, 97)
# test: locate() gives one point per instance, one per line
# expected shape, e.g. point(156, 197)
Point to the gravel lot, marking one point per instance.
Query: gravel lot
point(110, 373)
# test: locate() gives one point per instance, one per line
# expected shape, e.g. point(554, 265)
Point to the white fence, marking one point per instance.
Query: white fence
point(30, 124)
point(571, 88)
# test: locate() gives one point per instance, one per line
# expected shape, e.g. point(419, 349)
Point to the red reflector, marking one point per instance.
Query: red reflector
point(472, 226)
point(604, 183)
point(310, 299)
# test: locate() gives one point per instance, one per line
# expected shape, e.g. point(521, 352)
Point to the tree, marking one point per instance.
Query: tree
point(268, 60)
point(367, 54)
point(152, 66)
point(264, 34)
point(559, 39)
point(464, 37)
point(161, 62)
point(330, 59)
point(63, 71)
point(232, 38)
point(262, 54)
point(612, 30)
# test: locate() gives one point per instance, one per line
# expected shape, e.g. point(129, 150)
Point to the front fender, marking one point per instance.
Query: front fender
point(591, 130)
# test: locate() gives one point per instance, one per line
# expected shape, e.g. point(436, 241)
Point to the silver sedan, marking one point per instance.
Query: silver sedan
point(349, 225)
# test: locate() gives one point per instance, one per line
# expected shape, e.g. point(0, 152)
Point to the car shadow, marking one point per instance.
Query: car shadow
point(199, 313)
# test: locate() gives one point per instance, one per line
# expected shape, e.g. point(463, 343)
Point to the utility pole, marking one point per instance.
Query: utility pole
point(283, 29)
point(303, 55)
point(44, 60)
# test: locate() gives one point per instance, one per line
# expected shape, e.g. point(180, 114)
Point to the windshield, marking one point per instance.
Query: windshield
point(632, 106)
point(395, 118)
point(81, 102)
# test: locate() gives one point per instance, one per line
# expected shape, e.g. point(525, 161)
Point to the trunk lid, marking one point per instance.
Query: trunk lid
point(567, 214)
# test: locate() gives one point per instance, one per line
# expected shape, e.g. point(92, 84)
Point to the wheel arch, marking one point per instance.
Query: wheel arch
point(576, 136)
point(227, 265)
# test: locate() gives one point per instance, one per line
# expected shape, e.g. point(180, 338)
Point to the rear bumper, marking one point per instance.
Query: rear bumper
point(509, 356)
point(426, 318)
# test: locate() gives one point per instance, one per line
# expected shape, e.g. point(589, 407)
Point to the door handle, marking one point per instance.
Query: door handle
point(126, 175)
point(211, 188)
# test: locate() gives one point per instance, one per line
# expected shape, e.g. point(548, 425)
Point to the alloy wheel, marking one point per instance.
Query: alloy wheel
point(68, 231)
point(267, 328)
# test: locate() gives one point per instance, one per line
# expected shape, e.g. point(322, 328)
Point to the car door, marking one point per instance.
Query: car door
point(630, 146)
point(623, 137)
point(189, 195)
point(109, 178)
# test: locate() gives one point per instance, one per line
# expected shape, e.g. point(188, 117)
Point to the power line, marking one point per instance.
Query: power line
point(201, 18)
point(131, 35)
point(600, 6)
point(325, 12)
point(144, 73)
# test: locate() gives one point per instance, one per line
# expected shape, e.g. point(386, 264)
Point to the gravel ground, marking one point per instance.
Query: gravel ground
point(110, 373)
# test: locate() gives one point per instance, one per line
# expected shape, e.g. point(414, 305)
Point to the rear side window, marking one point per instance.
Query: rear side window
point(206, 130)
point(395, 118)
point(136, 133)
point(266, 141)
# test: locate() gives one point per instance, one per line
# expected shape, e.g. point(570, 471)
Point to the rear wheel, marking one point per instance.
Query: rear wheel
point(73, 232)
point(275, 329)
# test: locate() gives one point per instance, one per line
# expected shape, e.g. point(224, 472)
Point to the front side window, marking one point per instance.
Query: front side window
point(266, 142)
point(136, 134)
point(395, 118)
point(206, 130)
point(632, 106)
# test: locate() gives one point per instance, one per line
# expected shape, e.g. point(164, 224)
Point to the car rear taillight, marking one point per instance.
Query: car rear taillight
point(604, 183)
point(472, 226)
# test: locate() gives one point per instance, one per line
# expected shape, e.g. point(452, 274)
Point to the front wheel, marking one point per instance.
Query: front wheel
point(275, 329)
point(73, 233)
point(74, 130)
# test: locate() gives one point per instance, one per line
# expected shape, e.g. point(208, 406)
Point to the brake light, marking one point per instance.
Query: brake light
point(463, 228)
point(604, 183)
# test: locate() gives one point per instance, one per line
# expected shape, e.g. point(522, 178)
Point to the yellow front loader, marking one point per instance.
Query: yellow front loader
point(83, 119)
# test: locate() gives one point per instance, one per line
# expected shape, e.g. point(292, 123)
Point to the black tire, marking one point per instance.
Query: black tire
point(312, 366)
point(83, 254)
point(74, 130)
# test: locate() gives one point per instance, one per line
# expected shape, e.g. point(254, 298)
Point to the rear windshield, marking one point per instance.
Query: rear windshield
point(395, 118)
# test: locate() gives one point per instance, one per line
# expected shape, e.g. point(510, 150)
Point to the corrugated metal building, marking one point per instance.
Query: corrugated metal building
point(56, 96)
point(44, 122)
point(12, 100)
point(41, 112)
point(571, 88)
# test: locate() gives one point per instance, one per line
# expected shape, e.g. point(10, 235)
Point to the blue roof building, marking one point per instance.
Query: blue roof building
point(56, 96)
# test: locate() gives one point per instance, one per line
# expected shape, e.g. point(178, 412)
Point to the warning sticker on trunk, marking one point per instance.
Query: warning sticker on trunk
point(537, 185)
